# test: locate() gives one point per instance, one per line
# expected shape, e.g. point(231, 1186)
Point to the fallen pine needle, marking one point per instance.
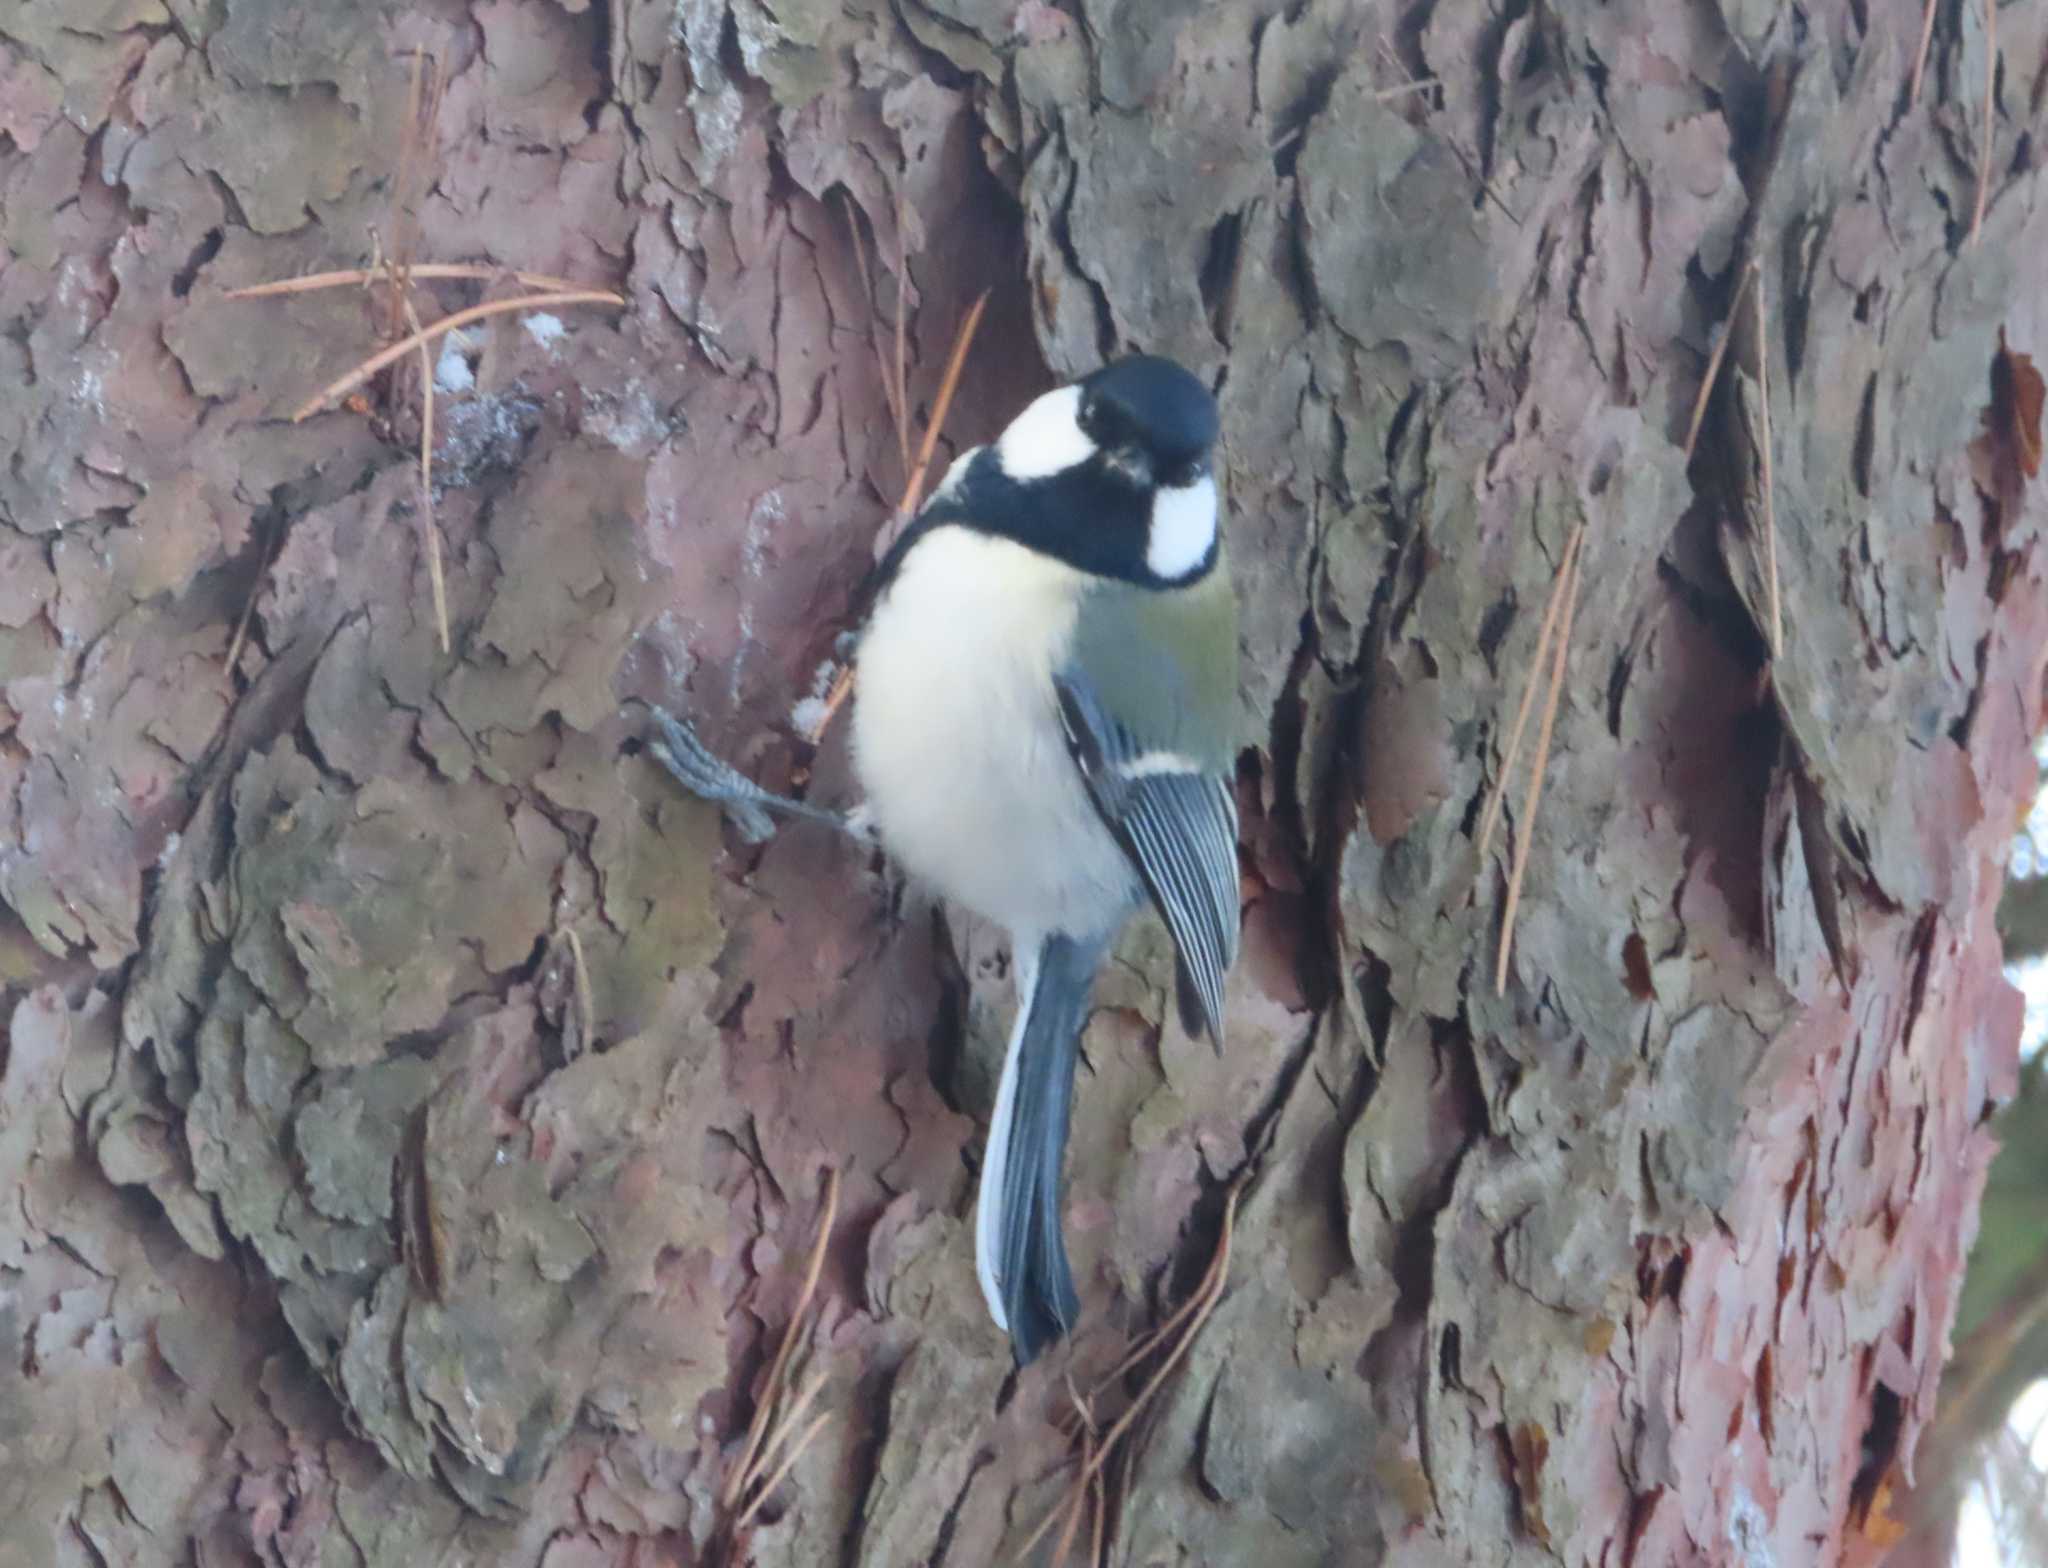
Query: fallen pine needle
point(270, 549)
point(1920, 54)
point(1096, 1455)
point(1402, 90)
point(423, 101)
point(1990, 117)
point(461, 318)
point(751, 1457)
point(779, 1434)
point(432, 271)
point(1420, 84)
point(586, 1006)
point(1763, 373)
point(942, 405)
point(1699, 402)
point(1570, 592)
point(901, 328)
point(892, 392)
point(1152, 1339)
point(842, 683)
point(1074, 1507)
point(423, 94)
point(774, 1480)
point(1091, 1499)
point(427, 525)
point(1198, 1303)
point(1116, 1482)
point(1195, 1313)
point(1491, 817)
point(1101, 1510)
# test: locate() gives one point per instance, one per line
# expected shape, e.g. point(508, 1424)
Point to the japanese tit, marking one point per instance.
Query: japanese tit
point(1044, 694)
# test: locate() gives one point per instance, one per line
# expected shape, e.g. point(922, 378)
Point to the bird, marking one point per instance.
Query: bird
point(1044, 694)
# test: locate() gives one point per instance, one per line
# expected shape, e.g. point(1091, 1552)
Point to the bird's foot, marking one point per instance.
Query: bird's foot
point(709, 776)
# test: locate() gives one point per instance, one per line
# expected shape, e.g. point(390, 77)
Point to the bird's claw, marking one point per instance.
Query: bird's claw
point(710, 777)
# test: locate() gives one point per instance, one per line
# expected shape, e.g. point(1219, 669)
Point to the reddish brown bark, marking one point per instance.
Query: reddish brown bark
point(414, 1114)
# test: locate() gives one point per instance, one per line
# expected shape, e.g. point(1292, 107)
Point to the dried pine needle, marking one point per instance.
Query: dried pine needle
point(586, 1004)
point(1990, 118)
point(1401, 90)
point(461, 318)
point(774, 1480)
point(748, 1468)
point(942, 405)
point(842, 684)
point(428, 528)
point(901, 327)
point(438, 272)
point(425, 84)
point(1076, 1504)
point(1095, 1455)
point(270, 549)
point(1920, 54)
point(948, 385)
point(1542, 759)
point(892, 391)
point(1699, 402)
point(1763, 375)
point(779, 1433)
point(1153, 1338)
point(1490, 819)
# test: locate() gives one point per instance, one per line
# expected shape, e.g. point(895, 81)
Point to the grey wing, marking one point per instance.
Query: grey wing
point(1178, 823)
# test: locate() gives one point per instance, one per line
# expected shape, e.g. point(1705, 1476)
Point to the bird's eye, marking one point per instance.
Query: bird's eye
point(1183, 475)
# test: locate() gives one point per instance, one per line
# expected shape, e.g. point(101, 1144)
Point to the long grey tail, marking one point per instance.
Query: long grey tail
point(1018, 1249)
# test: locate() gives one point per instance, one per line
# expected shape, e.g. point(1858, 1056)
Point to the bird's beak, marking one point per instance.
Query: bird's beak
point(1131, 464)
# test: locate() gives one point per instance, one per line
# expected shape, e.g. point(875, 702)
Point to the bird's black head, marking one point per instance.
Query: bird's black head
point(1153, 421)
point(1110, 474)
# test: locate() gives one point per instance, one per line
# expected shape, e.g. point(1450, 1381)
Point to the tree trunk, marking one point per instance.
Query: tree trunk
point(416, 1116)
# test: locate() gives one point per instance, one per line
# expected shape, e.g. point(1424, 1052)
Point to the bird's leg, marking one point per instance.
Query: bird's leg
point(710, 777)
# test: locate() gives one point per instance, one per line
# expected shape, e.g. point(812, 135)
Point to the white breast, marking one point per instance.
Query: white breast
point(957, 738)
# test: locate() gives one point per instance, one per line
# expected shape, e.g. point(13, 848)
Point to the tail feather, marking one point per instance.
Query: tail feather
point(1020, 1254)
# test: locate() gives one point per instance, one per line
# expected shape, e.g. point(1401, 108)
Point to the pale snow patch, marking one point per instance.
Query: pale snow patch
point(545, 329)
point(1749, 1532)
point(2031, 976)
point(630, 421)
point(809, 713)
point(2029, 858)
point(451, 371)
point(699, 26)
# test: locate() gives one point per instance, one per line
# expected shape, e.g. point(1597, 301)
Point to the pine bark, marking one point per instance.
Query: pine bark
point(415, 1116)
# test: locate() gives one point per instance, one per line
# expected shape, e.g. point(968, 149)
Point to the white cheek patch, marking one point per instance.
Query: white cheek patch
point(1046, 438)
point(1183, 528)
